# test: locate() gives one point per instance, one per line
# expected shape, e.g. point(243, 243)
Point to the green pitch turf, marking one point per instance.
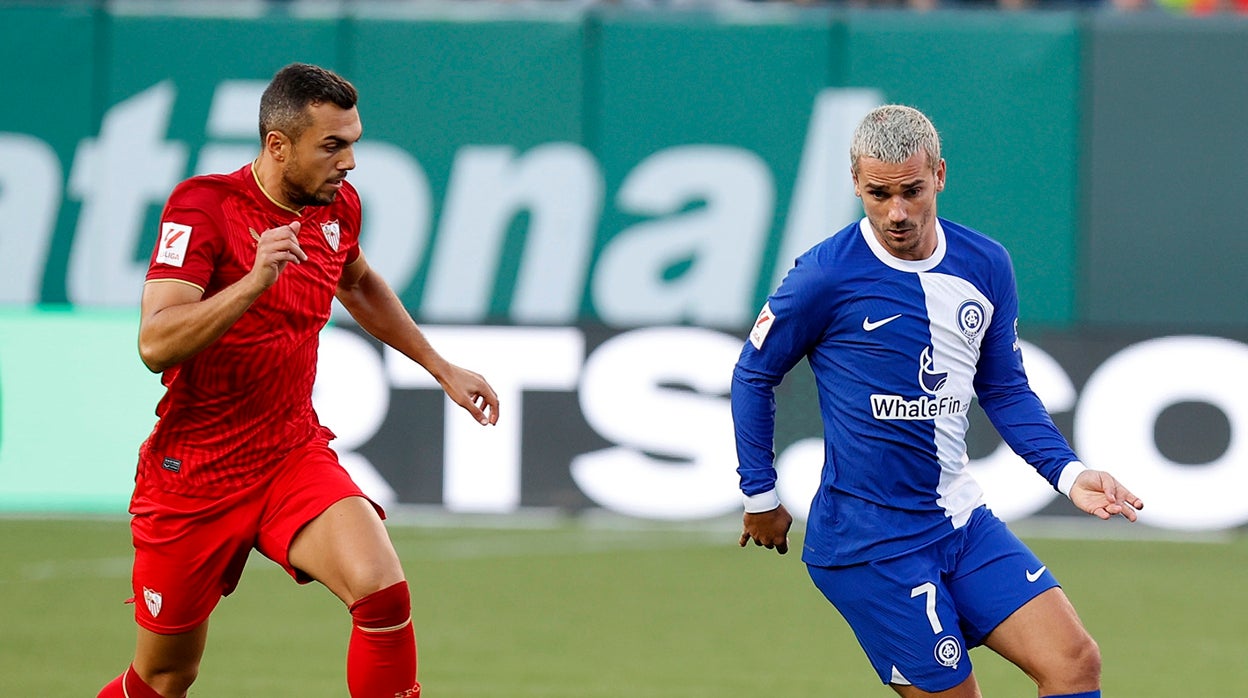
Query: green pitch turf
point(586, 611)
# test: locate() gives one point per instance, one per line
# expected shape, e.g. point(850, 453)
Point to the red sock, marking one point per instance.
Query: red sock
point(381, 658)
point(134, 687)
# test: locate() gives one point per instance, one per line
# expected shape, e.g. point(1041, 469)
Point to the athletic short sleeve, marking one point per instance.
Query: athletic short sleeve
point(187, 247)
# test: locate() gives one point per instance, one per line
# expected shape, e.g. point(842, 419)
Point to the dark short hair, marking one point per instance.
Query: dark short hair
point(284, 105)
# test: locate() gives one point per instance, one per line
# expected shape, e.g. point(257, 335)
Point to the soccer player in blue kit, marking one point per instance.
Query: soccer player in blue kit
point(904, 318)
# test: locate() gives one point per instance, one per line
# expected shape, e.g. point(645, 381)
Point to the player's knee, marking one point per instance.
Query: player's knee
point(1085, 661)
point(172, 681)
point(1075, 667)
point(385, 608)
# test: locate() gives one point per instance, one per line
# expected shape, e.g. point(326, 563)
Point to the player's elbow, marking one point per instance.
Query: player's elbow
point(152, 357)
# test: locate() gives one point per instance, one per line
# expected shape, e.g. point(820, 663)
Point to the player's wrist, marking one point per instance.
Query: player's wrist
point(1070, 473)
point(762, 502)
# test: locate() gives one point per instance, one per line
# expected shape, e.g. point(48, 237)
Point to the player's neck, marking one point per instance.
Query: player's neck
point(269, 178)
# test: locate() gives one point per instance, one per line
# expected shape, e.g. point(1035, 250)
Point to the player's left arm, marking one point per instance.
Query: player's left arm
point(375, 306)
point(1020, 417)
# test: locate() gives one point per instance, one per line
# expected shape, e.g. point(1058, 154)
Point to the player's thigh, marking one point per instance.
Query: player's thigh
point(347, 549)
point(904, 618)
point(319, 525)
point(1046, 639)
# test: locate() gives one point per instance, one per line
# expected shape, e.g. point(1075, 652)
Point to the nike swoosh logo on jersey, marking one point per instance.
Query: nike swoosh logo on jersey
point(868, 325)
point(1033, 576)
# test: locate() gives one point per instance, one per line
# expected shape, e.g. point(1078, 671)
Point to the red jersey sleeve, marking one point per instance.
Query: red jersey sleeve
point(189, 244)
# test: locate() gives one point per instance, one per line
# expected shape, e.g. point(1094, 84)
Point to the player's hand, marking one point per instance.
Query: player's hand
point(1099, 494)
point(275, 248)
point(769, 529)
point(471, 392)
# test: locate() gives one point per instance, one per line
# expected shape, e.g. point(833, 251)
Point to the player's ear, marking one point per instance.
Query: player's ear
point(854, 175)
point(940, 176)
point(276, 145)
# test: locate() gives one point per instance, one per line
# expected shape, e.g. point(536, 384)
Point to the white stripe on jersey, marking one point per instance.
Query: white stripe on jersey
point(955, 352)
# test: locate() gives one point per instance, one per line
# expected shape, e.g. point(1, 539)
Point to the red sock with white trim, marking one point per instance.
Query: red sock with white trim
point(134, 687)
point(381, 657)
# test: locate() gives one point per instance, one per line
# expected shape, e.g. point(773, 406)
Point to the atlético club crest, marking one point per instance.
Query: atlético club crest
point(331, 233)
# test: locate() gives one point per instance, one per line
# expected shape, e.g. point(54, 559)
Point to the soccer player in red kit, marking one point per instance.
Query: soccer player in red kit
point(240, 284)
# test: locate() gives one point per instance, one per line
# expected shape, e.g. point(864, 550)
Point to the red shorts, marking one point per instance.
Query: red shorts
point(190, 551)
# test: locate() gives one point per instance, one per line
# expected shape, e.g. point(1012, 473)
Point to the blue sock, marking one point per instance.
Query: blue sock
point(1085, 694)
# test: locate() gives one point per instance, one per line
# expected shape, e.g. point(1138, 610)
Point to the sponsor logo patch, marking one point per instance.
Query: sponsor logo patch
point(897, 407)
point(174, 238)
point(762, 326)
point(930, 379)
point(173, 465)
point(869, 325)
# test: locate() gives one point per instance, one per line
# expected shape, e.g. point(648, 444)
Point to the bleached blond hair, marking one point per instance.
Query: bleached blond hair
point(893, 133)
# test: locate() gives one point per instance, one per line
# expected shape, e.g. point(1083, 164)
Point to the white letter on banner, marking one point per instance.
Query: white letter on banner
point(30, 198)
point(482, 469)
point(560, 186)
point(626, 396)
point(1118, 413)
point(119, 176)
point(718, 242)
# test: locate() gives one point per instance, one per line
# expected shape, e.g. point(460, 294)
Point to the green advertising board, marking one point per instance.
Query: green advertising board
point(609, 167)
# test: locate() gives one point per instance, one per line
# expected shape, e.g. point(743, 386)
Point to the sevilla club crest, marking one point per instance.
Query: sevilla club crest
point(331, 233)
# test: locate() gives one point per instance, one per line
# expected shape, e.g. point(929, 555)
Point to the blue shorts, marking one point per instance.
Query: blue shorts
point(916, 615)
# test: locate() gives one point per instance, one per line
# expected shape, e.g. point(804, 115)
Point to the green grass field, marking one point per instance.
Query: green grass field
point(590, 611)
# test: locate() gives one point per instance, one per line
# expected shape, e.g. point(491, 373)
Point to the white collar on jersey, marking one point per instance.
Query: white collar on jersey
point(916, 265)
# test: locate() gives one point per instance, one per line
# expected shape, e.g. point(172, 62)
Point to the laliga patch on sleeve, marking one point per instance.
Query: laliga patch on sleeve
point(174, 238)
point(762, 326)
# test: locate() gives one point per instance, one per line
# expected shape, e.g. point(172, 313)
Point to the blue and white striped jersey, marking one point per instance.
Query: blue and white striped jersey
point(898, 349)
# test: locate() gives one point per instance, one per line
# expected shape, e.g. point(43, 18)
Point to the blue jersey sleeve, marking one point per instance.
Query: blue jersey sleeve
point(790, 324)
point(1005, 395)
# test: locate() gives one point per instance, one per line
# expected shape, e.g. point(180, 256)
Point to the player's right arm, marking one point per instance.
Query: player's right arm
point(790, 323)
point(177, 322)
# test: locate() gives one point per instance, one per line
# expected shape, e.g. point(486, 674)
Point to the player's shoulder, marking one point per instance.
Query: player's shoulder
point(833, 249)
point(969, 241)
point(205, 192)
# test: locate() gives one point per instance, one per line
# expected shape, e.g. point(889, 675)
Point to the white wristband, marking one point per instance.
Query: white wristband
point(1068, 476)
point(762, 502)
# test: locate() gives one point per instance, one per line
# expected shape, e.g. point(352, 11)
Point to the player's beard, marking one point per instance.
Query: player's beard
point(304, 190)
point(302, 195)
point(918, 234)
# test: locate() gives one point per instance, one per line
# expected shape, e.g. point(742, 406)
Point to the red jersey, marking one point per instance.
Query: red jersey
point(244, 401)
